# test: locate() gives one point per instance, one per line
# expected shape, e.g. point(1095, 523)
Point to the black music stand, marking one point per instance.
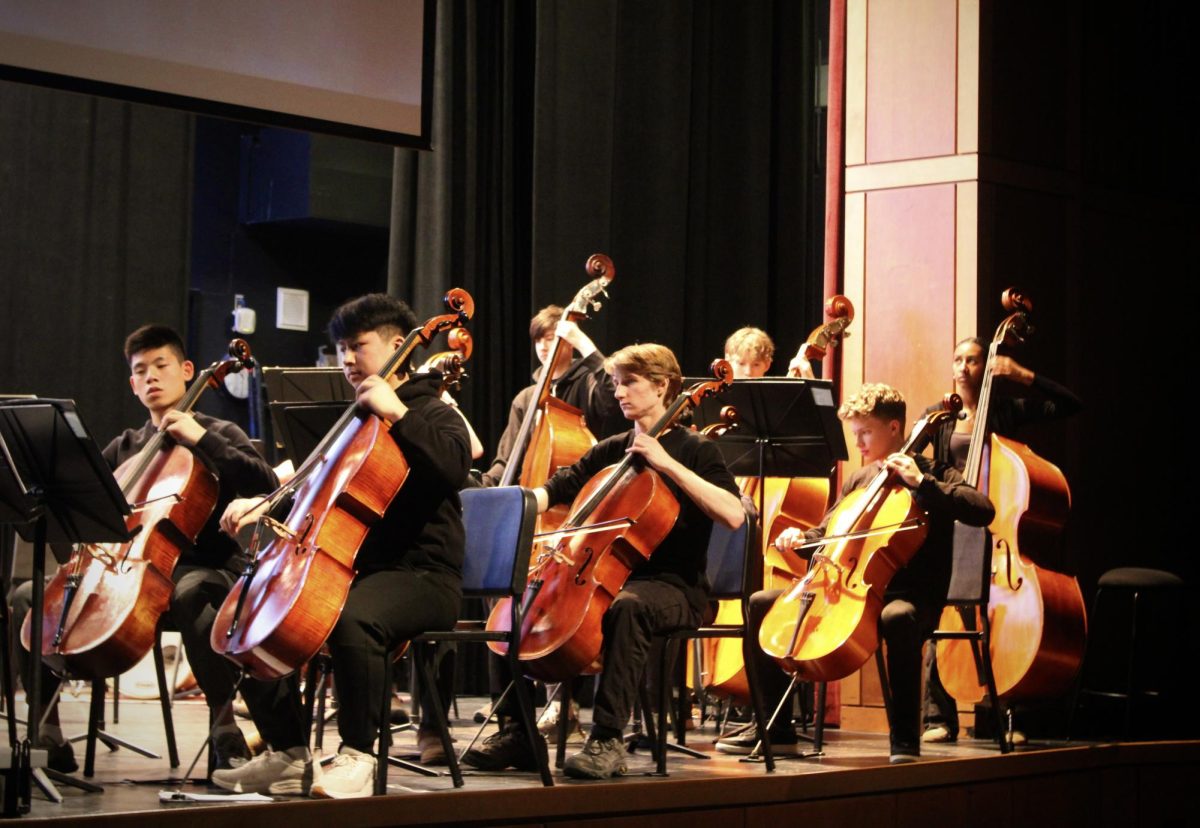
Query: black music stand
point(785, 428)
point(301, 426)
point(55, 488)
point(301, 386)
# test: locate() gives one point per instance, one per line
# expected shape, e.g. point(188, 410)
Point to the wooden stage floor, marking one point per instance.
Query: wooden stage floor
point(964, 784)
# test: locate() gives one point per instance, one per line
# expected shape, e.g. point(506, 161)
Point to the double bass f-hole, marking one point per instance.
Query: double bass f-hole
point(1014, 583)
point(587, 559)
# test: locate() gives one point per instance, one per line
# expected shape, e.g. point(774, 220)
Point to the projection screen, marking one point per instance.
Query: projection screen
point(361, 68)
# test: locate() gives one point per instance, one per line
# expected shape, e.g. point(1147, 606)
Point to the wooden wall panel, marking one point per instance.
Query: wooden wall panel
point(912, 59)
point(910, 285)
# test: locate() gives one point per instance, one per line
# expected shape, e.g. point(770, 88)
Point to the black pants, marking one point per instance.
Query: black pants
point(641, 609)
point(936, 705)
point(903, 626)
point(382, 610)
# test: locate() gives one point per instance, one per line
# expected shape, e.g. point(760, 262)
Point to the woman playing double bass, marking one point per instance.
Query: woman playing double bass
point(409, 567)
point(915, 595)
point(669, 590)
point(1007, 415)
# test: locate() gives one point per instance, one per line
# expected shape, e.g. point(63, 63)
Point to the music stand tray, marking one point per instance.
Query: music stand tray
point(302, 426)
point(786, 427)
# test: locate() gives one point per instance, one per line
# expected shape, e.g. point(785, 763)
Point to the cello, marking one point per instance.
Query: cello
point(783, 503)
point(1038, 618)
point(553, 433)
point(104, 603)
point(616, 522)
point(287, 601)
point(827, 625)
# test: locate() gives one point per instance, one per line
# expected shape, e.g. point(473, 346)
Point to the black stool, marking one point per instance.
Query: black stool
point(1135, 613)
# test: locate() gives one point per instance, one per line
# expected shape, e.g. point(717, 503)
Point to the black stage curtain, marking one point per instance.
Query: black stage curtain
point(461, 214)
point(681, 138)
point(95, 199)
point(569, 128)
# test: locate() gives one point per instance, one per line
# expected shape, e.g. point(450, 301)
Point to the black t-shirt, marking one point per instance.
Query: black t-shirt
point(681, 559)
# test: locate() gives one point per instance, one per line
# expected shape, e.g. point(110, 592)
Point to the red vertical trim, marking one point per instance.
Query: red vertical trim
point(835, 164)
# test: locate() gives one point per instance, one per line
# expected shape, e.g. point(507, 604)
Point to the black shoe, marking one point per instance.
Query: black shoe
point(231, 749)
point(59, 757)
point(506, 748)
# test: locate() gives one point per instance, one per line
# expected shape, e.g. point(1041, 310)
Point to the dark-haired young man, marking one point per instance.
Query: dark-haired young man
point(409, 568)
point(158, 375)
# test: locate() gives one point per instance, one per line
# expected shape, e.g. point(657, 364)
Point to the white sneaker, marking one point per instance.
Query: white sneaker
point(271, 772)
point(351, 774)
point(548, 724)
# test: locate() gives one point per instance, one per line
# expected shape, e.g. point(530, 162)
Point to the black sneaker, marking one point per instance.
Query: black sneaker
point(59, 757)
point(506, 748)
point(231, 749)
point(599, 759)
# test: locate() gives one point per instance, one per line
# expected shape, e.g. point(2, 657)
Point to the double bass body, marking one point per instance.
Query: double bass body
point(1038, 617)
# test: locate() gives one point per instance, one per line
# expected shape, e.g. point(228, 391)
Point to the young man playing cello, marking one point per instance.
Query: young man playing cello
point(409, 567)
point(669, 590)
point(583, 383)
point(159, 374)
point(915, 596)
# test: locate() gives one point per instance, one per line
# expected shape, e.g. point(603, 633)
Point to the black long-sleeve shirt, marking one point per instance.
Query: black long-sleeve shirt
point(241, 472)
point(585, 385)
point(422, 528)
point(1007, 415)
point(681, 559)
point(946, 498)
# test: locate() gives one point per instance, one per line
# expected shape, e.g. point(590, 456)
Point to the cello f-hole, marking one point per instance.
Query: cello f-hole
point(583, 567)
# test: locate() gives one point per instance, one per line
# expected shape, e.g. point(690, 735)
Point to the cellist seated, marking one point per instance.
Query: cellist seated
point(409, 567)
point(159, 373)
point(915, 595)
point(669, 590)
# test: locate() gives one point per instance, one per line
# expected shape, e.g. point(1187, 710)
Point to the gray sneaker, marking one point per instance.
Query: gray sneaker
point(599, 759)
point(271, 772)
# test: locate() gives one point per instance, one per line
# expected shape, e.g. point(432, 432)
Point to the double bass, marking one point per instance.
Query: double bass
point(553, 433)
point(291, 594)
point(827, 625)
point(104, 603)
point(616, 522)
point(1038, 618)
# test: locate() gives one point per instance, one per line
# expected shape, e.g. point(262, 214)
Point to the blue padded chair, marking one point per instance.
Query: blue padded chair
point(499, 528)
